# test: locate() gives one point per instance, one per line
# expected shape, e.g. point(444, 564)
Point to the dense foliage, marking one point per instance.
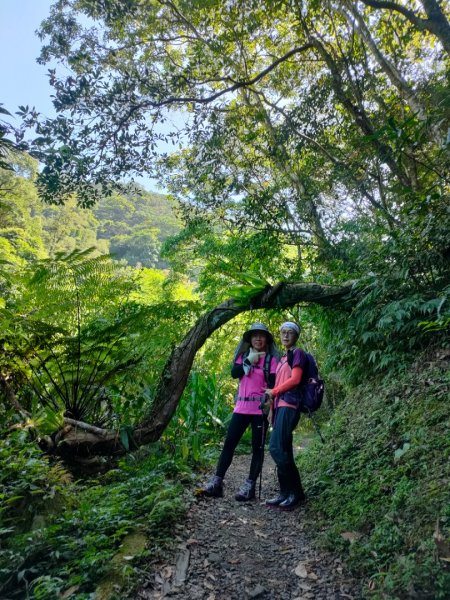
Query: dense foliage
point(75, 530)
point(131, 226)
point(314, 136)
point(380, 482)
point(311, 145)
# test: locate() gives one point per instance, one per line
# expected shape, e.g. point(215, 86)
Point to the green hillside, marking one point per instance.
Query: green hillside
point(132, 227)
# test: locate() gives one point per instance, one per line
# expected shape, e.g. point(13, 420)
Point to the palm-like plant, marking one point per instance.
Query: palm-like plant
point(71, 332)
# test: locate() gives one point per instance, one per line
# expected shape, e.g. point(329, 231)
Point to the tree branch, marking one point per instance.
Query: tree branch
point(86, 439)
point(236, 86)
point(436, 22)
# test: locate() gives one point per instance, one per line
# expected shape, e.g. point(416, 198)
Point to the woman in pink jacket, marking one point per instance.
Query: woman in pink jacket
point(254, 365)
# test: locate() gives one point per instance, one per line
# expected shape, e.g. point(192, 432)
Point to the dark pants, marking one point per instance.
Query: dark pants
point(236, 429)
point(286, 420)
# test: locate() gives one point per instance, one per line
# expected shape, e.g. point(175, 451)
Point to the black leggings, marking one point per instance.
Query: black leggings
point(236, 429)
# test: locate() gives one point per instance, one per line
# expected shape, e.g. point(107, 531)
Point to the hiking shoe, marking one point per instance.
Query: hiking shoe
point(214, 488)
point(275, 502)
point(246, 491)
point(292, 501)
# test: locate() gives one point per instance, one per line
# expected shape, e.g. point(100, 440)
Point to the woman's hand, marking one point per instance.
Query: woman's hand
point(253, 356)
point(269, 393)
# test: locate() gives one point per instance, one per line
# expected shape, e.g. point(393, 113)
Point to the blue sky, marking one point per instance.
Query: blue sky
point(23, 81)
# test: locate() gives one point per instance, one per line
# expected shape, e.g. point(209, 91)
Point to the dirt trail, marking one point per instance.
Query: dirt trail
point(234, 551)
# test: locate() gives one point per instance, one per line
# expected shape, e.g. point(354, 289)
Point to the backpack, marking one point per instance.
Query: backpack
point(312, 390)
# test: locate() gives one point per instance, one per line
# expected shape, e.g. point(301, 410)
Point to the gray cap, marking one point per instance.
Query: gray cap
point(257, 327)
point(245, 342)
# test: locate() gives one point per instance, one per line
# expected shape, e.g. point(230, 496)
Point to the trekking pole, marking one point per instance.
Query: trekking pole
point(316, 426)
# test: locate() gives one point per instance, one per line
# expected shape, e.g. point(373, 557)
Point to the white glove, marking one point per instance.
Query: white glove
point(253, 356)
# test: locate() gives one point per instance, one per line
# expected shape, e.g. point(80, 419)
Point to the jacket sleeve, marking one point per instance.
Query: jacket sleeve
point(237, 371)
point(289, 384)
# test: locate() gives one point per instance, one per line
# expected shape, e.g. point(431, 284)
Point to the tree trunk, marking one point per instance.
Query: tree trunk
point(384, 151)
point(10, 396)
point(395, 77)
point(84, 439)
point(437, 22)
point(281, 158)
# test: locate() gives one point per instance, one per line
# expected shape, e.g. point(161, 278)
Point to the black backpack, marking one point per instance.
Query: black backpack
point(312, 388)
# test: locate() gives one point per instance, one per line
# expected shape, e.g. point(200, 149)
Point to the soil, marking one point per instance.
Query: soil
point(229, 550)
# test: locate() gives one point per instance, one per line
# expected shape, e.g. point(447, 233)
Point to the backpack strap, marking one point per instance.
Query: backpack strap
point(266, 367)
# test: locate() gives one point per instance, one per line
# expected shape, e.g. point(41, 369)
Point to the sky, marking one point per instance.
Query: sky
point(23, 81)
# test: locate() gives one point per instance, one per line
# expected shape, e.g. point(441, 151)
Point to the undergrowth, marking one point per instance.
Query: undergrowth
point(71, 549)
point(379, 487)
point(58, 537)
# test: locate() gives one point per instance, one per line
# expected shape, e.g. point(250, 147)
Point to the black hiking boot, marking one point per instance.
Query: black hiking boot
point(292, 501)
point(213, 489)
point(275, 502)
point(246, 491)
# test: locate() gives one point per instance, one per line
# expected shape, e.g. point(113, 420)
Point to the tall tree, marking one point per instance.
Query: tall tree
point(269, 90)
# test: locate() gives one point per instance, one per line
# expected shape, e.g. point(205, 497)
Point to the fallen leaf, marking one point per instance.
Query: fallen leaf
point(351, 536)
point(401, 451)
point(166, 572)
point(300, 570)
point(69, 591)
point(261, 534)
point(304, 586)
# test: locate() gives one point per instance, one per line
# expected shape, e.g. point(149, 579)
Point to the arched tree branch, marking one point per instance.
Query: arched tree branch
point(84, 439)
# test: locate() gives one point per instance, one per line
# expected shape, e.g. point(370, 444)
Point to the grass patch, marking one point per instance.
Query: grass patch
point(380, 484)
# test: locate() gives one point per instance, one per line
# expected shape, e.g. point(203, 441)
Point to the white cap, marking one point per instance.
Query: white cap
point(291, 325)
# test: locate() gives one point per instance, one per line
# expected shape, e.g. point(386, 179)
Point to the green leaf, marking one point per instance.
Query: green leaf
point(124, 438)
point(401, 451)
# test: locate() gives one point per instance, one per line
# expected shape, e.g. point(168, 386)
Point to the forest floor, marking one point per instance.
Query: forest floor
point(237, 550)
